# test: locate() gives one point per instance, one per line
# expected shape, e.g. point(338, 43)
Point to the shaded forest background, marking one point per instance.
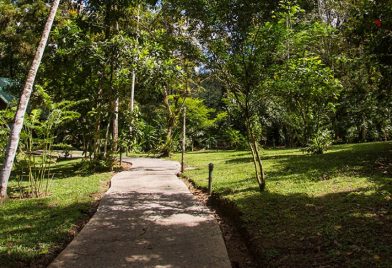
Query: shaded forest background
point(284, 73)
point(118, 76)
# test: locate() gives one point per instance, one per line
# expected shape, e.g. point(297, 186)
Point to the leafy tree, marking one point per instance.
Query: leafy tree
point(309, 91)
point(199, 120)
point(21, 25)
point(23, 102)
point(39, 134)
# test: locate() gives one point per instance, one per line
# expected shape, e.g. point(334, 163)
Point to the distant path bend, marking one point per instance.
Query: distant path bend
point(148, 218)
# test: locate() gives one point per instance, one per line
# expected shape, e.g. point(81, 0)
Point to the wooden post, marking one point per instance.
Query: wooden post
point(210, 169)
point(183, 139)
point(120, 156)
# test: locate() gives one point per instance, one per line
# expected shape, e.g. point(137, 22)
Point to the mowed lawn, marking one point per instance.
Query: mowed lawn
point(33, 230)
point(331, 210)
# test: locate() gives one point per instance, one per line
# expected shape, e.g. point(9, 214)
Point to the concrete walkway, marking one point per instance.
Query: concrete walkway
point(148, 218)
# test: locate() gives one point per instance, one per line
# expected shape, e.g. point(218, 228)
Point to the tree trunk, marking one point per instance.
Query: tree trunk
point(105, 147)
point(133, 71)
point(257, 162)
point(183, 147)
point(97, 127)
point(171, 123)
point(133, 91)
point(115, 126)
point(23, 102)
point(116, 101)
point(261, 178)
point(131, 104)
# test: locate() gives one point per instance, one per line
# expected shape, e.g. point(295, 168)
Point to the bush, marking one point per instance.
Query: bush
point(100, 164)
point(235, 139)
point(320, 142)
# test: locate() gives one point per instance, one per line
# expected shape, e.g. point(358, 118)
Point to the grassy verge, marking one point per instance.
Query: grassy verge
point(317, 211)
point(33, 230)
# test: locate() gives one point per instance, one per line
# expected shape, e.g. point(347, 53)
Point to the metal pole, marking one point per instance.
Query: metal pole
point(183, 139)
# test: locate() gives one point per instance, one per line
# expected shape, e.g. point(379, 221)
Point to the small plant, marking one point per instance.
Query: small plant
point(100, 164)
point(36, 156)
point(236, 139)
point(319, 143)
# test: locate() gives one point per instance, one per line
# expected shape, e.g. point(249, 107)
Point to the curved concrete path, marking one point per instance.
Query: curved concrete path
point(148, 218)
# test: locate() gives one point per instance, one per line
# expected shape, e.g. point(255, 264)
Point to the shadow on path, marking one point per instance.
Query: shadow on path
point(148, 219)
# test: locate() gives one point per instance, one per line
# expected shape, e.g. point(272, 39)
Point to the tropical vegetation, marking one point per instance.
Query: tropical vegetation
point(113, 78)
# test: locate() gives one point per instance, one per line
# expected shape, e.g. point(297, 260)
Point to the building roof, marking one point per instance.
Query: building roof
point(5, 95)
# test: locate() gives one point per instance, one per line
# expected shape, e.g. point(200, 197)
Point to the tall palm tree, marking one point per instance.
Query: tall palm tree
point(23, 102)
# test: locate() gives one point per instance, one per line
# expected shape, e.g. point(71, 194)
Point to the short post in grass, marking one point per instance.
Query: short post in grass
point(210, 169)
point(120, 156)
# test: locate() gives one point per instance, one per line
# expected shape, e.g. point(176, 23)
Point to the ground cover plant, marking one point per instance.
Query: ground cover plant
point(324, 210)
point(33, 230)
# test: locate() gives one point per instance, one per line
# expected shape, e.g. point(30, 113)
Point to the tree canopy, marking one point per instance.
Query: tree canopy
point(250, 73)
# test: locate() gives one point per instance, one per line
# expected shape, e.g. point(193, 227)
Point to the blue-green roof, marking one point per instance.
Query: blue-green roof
point(5, 95)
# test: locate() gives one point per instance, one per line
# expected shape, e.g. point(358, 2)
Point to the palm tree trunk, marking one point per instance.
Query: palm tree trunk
point(23, 102)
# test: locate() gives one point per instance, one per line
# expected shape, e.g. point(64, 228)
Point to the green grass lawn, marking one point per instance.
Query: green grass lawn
point(331, 210)
point(33, 230)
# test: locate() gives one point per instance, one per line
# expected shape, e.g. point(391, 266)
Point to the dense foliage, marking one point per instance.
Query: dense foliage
point(287, 73)
point(118, 76)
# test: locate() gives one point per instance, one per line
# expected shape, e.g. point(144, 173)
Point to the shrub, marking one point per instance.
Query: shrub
point(235, 139)
point(320, 142)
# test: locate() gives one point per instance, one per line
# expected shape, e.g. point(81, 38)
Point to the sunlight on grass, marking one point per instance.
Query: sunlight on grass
point(32, 228)
point(307, 196)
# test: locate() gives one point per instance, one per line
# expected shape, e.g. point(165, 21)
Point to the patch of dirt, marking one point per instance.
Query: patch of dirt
point(239, 254)
point(124, 166)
